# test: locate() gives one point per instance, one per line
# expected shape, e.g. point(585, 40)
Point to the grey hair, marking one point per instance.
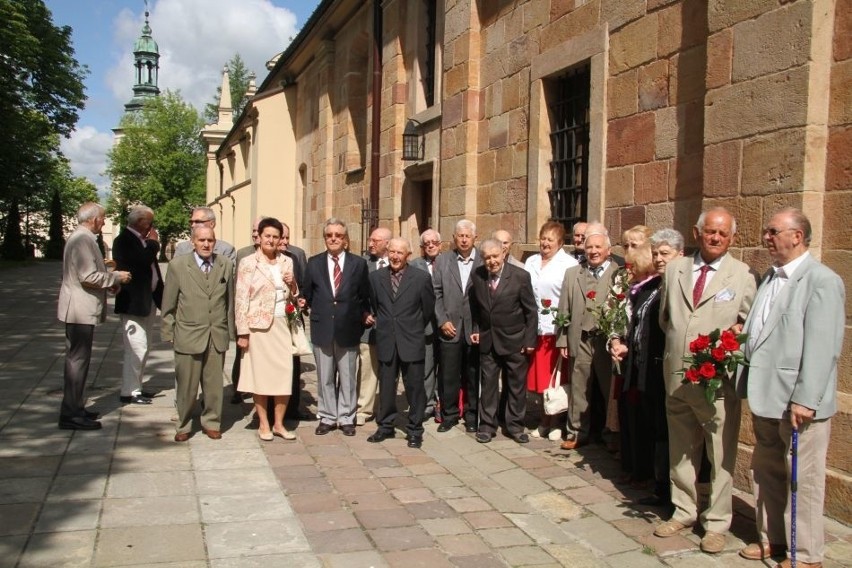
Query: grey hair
point(465, 224)
point(137, 213)
point(603, 234)
point(700, 223)
point(575, 225)
point(88, 211)
point(400, 240)
point(800, 221)
point(489, 244)
point(209, 214)
point(335, 221)
point(670, 237)
point(423, 235)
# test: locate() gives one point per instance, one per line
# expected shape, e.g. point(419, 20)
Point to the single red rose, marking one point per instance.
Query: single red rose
point(546, 303)
point(620, 296)
point(628, 266)
point(692, 375)
point(730, 342)
point(702, 342)
point(707, 370)
point(290, 308)
point(718, 354)
point(591, 294)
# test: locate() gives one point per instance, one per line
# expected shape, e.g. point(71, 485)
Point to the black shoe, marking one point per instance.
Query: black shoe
point(91, 415)
point(323, 429)
point(134, 399)
point(655, 501)
point(484, 437)
point(522, 438)
point(237, 398)
point(447, 425)
point(381, 436)
point(147, 394)
point(415, 441)
point(348, 429)
point(79, 423)
point(470, 427)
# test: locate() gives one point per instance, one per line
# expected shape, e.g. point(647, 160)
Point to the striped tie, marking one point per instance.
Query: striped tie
point(338, 274)
point(395, 278)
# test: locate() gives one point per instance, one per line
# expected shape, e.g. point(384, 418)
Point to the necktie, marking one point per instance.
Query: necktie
point(430, 263)
point(395, 278)
point(205, 267)
point(492, 284)
point(699, 284)
point(338, 274)
point(380, 264)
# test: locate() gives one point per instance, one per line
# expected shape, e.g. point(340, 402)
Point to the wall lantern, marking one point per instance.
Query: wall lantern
point(412, 142)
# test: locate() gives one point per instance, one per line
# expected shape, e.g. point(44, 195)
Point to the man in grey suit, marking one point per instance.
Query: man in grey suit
point(795, 335)
point(198, 318)
point(205, 217)
point(459, 367)
point(584, 287)
point(702, 293)
point(82, 306)
point(430, 247)
point(403, 301)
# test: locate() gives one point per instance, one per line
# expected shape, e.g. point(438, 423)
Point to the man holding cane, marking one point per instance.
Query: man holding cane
point(795, 333)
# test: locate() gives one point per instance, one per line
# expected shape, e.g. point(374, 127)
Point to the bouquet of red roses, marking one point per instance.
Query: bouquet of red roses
point(714, 356)
point(560, 320)
point(294, 314)
point(612, 315)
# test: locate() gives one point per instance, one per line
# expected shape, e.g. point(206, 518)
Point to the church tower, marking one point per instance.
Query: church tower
point(146, 55)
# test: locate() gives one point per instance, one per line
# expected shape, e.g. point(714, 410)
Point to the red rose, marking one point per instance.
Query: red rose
point(545, 303)
point(628, 266)
point(702, 342)
point(620, 296)
point(707, 370)
point(591, 294)
point(692, 375)
point(729, 341)
point(718, 354)
point(290, 309)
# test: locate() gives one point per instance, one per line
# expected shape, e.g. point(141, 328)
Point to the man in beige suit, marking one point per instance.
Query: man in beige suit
point(82, 306)
point(701, 293)
point(198, 318)
point(584, 287)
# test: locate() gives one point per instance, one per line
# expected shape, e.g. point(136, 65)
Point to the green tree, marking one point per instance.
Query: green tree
point(239, 76)
point(41, 94)
point(13, 244)
point(159, 162)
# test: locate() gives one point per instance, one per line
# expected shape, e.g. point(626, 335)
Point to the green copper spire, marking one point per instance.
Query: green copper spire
point(146, 65)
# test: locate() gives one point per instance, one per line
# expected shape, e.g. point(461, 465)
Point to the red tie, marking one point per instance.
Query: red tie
point(699, 285)
point(338, 274)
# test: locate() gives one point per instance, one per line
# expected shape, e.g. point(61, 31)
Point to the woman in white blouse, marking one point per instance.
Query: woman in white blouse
point(547, 270)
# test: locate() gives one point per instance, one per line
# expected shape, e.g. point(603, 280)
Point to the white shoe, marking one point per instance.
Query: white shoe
point(555, 435)
point(538, 433)
point(286, 434)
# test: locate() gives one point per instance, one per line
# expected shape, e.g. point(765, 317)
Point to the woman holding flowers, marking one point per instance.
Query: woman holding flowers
point(547, 269)
point(266, 292)
point(640, 351)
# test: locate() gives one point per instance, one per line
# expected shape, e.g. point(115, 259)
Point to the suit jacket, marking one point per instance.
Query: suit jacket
point(452, 303)
point(507, 321)
point(795, 358)
point(198, 307)
point(369, 335)
point(85, 279)
point(573, 300)
point(725, 301)
point(221, 248)
point(299, 259)
point(420, 263)
point(337, 317)
point(135, 298)
point(254, 305)
point(244, 252)
point(400, 319)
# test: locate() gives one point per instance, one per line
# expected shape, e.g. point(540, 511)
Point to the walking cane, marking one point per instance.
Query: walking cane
point(794, 474)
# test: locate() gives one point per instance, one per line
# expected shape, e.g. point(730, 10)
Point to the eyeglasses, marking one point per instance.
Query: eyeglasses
point(199, 221)
point(334, 235)
point(773, 232)
point(431, 243)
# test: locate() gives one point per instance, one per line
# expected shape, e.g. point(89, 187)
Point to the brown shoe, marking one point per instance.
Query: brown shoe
point(762, 551)
point(713, 542)
point(787, 564)
point(669, 528)
point(570, 444)
point(181, 436)
point(213, 434)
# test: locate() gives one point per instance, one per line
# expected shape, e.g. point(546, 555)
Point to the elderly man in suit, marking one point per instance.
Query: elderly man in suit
point(198, 319)
point(430, 248)
point(82, 306)
point(337, 291)
point(459, 357)
point(403, 301)
point(583, 288)
point(701, 293)
point(135, 250)
point(506, 241)
point(795, 335)
point(368, 362)
point(505, 322)
point(205, 217)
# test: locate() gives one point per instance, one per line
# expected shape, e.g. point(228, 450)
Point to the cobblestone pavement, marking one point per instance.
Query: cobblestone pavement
point(128, 495)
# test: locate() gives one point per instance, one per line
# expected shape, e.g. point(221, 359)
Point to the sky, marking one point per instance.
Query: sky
point(195, 38)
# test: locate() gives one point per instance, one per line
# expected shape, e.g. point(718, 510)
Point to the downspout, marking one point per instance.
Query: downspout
point(375, 144)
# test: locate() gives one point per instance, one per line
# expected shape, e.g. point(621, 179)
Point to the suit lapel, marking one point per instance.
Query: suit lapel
point(685, 281)
point(758, 300)
point(404, 283)
point(195, 272)
point(781, 299)
point(719, 281)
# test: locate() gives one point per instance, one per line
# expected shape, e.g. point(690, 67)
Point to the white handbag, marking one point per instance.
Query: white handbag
point(301, 345)
point(556, 395)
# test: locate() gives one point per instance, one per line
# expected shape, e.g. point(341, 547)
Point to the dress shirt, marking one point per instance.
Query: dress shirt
point(547, 284)
point(775, 284)
point(698, 262)
point(465, 266)
point(381, 262)
point(200, 261)
point(596, 272)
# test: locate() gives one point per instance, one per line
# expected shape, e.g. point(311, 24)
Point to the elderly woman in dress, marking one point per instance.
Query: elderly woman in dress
point(547, 269)
point(265, 286)
point(641, 352)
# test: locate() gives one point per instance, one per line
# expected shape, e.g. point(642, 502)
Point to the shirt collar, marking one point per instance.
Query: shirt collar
point(200, 261)
point(787, 270)
point(471, 257)
point(698, 262)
